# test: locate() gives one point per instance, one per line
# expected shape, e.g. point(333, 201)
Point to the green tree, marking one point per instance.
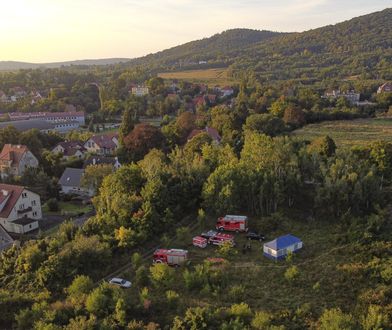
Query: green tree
point(335, 319)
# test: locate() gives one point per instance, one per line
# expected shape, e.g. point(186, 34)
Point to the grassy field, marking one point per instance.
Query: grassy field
point(212, 76)
point(68, 208)
point(262, 283)
point(350, 132)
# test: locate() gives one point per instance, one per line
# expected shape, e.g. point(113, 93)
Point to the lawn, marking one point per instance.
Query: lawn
point(68, 209)
point(350, 132)
point(212, 76)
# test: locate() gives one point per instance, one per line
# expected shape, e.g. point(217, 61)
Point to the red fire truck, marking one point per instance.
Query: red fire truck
point(172, 257)
point(235, 223)
point(221, 238)
point(199, 241)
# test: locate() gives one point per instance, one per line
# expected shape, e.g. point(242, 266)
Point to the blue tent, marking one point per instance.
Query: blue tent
point(281, 246)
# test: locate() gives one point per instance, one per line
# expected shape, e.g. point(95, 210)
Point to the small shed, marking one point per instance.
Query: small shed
point(281, 246)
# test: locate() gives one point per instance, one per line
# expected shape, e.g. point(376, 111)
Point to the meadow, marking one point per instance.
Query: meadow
point(347, 133)
point(211, 76)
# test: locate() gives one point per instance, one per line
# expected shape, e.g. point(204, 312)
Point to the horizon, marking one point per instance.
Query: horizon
point(76, 31)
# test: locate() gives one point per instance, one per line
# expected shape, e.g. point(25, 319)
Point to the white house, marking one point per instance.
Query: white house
point(70, 149)
point(20, 209)
point(15, 159)
point(281, 246)
point(140, 91)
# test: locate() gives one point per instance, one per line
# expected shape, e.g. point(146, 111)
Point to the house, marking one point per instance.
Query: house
point(104, 145)
point(211, 98)
point(20, 209)
point(71, 182)
point(102, 160)
point(51, 117)
point(385, 88)
point(351, 96)
point(281, 246)
point(15, 159)
point(212, 133)
point(17, 93)
point(140, 91)
point(227, 91)
point(42, 125)
point(3, 97)
point(70, 149)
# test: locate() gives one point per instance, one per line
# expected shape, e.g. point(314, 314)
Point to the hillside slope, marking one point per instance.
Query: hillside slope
point(360, 46)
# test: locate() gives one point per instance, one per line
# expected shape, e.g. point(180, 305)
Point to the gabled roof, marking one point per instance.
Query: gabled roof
point(105, 141)
point(13, 153)
point(212, 133)
point(71, 147)
point(71, 177)
point(282, 242)
point(14, 193)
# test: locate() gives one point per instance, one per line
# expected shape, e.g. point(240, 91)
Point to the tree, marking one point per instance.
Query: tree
point(127, 124)
point(156, 85)
point(278, 107)
point(185, 123)
point(294, 116)
point(94, 175)
point(142, 139)
point(162, 275)
point(324, 146)
point(126, 237)
point(196, 144)
point(265, 124)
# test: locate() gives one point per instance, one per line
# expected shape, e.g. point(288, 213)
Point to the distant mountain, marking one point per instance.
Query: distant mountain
point(360, 46)
point(12, 65)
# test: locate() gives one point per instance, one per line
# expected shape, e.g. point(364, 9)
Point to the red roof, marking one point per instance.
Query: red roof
point(212, 133)
point(71, 147)
point(13, 153)
point(14, 193)
point(105, 141)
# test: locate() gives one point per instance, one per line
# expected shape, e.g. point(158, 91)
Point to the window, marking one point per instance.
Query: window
point(33, 203)
point(24, 195)
point(29, 226)
point(34, 214)
point(21, 206)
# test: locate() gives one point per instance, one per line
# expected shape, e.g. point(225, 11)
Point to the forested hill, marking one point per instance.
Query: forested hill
point(360, 46)
point(219, 49)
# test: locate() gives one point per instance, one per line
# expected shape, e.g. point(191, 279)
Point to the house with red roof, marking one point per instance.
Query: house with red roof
point(105, 144)
point(15, 159)
point(70, 149)
point(212, 133)
point(20, 209)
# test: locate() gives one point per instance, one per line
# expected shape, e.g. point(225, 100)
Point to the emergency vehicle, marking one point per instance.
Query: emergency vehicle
point(200, 242)
point(237, 223)
point(172, 257)
point(221, 238)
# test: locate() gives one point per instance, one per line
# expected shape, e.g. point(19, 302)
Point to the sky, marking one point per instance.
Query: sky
point(58, 30)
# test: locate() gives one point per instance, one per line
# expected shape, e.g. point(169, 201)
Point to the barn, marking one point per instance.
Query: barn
point(281, 246)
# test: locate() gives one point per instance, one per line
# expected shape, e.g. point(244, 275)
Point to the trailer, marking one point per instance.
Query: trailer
point(172, 257)
point(237, 223)
point(199, 241)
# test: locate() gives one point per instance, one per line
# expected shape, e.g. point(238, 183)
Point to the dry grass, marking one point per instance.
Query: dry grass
point(215, 76)
point(347, 133)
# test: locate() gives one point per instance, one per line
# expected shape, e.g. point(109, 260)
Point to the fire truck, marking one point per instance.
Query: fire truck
point(237, 223)
point(172, 257)
point(216, 238)
point(200, 242)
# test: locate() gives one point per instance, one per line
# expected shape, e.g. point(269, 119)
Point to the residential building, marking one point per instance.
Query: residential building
point(280, 247)
point(71, 182)
point(20, 209)
point(351, 96)
point(51, 117)
point(140, 90)
point(70, 149)
point(227, 91)
point(212, 133)
point(3, 97)
point(15, 159)
point(6, 240)
point(385, 88)
point(104, 145)
point(102, 160)
point(41, 124)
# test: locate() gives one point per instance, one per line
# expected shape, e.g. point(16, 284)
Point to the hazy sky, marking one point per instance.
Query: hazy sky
point(57, 30)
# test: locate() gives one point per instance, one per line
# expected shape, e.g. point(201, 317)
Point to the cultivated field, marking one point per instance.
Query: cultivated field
point(350, 132)
point(213, 76)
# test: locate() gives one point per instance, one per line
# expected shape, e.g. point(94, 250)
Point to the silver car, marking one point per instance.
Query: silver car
point(120, 282)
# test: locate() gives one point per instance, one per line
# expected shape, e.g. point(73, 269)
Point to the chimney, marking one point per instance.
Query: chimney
point(4, 192)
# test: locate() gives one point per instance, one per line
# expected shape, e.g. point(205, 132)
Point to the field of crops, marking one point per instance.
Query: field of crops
point(350, 132)
point(212, 76)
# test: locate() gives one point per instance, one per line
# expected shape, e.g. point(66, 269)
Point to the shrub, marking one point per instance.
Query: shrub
point(241, 310)
point(335, 319)
point(226, 250)
point(261, 320)
point(291, 273)
point(53, 205)
point(237, 292)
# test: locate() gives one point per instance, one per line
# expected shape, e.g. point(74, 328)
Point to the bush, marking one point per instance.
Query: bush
point(261, 320)
point(241, 310)
point(291, 273)
point(226, 250)
point(53, 205)
point(237, 292)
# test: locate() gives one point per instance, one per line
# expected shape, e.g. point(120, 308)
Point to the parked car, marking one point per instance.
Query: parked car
point(209, 234)
point(120, 282)
point(255, 236)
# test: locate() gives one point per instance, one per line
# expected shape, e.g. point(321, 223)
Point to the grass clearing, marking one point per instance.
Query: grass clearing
point(68, 209)
point(213, 76)
point(347, 133)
